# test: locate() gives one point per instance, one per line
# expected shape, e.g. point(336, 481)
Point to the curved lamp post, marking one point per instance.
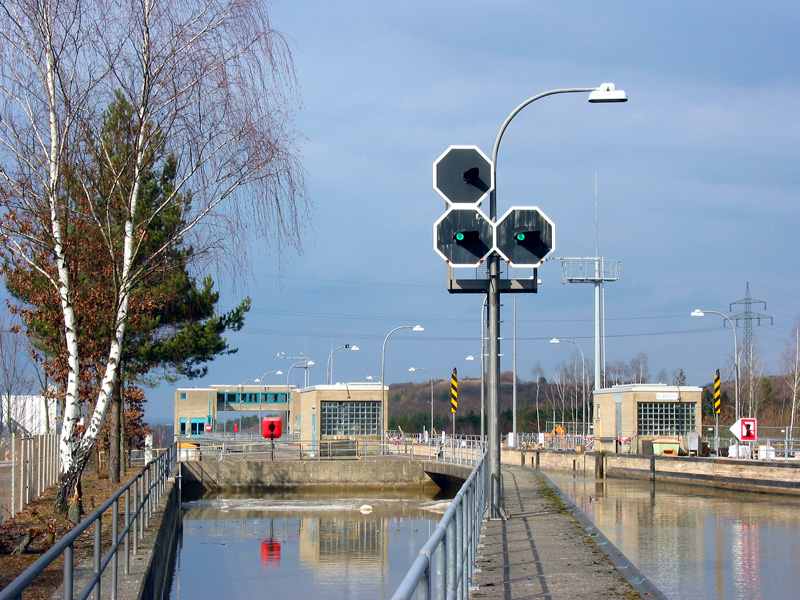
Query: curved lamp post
point(329, 371)
point(383, 370)
point(702, 313)
point(583, 375)
point(412, 369)
point(606, 92)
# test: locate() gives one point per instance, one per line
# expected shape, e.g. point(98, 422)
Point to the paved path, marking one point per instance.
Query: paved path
point(542, 551)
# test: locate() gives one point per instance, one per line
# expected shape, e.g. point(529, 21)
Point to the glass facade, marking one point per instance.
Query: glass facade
point(252, 397)
point(667, 418)
point(350, 418)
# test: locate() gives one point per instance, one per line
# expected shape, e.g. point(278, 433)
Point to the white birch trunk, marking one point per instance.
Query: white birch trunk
point(71, 407)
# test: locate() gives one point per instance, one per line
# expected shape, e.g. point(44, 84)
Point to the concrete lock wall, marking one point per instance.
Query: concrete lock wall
point(747, 475)
point(285, 474)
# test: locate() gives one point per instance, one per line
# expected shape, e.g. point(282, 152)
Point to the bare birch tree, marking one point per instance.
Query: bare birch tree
point(208, 81)
point(15, 373)
point(791, 365)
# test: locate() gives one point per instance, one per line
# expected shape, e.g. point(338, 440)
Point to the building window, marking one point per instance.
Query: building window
point(667, 418)
point(196, 427)
point(183, 426)
point(350, 418)
point(183, 395)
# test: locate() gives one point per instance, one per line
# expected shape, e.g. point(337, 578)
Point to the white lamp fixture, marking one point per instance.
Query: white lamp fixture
point(608, 92)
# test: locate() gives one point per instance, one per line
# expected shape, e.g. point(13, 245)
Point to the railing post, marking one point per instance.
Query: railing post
point(68, 558)
point(460, 548)
point(98, 543)
point(441, 571)
point(135, 517)
point(452, 562)
point(131, 530)
point(114, 540)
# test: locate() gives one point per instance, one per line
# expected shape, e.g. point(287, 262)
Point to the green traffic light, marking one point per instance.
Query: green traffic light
point(520, 237)
point(460, 236)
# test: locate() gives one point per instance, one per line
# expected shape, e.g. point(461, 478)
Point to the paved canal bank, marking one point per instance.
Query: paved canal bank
point(543, 551)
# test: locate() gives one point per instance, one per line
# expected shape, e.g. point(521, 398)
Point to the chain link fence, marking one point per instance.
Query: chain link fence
point(28, 466)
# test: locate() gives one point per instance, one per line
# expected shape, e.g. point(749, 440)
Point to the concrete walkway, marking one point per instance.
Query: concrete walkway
point(547, 550)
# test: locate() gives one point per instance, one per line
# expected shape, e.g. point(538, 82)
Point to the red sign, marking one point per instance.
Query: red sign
point(746, 430)
point(271, 427)
point(208, 426)
point(749, 430)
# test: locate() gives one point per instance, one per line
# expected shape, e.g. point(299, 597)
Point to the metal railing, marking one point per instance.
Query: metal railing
point(445, 564)
point(139, 498)
point(458, 450)
point(234, 450)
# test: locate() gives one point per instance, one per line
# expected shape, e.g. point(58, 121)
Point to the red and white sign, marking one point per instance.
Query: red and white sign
point(745, 430)
point(208, 426)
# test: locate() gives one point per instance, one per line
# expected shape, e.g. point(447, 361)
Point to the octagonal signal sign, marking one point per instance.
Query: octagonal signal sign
point(524, 236)
point(463, 237)
point(463, 175)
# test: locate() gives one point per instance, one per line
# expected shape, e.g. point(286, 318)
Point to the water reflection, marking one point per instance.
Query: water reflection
point(695, 542)
point(301, 546)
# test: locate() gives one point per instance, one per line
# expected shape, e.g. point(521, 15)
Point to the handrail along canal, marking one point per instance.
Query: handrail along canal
point(444, 566)
point(140, 496)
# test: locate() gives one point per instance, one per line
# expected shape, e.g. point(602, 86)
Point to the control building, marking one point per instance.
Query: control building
point(647, 418)
point(321, 412)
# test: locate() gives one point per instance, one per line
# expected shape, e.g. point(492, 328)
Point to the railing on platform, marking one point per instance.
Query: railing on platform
point(235, 450)
point(139, 497)
point(461, 451)
point(445, 565)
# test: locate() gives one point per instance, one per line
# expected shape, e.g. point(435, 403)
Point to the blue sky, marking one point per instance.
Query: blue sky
point(697, 182)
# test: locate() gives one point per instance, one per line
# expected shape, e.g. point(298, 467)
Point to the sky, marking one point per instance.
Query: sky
point(695, 180)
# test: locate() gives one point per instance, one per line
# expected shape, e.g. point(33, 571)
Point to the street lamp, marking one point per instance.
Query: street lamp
point(329, 372)
point(261, 381)
point(607, 92)
point(383, 369)
point(304, 363)
point(702, 313)
point(583, 375)
point(412, 369)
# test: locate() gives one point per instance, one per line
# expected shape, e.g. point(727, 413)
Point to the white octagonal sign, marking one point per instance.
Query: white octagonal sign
point(463, 175)
point(524, 236)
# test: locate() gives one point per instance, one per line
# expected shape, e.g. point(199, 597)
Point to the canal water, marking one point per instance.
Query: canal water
point(302, 545)
point(697, 543)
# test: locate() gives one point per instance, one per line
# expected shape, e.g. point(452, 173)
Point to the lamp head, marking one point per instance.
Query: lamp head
point(470, 357)
point(608, 92)
point(555, 341)
point(418, 328)
point(278, 372)
point(411, 369)
point(354, 348)
point(698, 313)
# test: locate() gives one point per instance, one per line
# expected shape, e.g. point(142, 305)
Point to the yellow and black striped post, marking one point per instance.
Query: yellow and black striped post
point(454, 398)
point(717, 410)
point(454, 392)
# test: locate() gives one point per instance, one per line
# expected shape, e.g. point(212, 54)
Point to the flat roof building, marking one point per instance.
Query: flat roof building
point(629, 418)
point(337, 411)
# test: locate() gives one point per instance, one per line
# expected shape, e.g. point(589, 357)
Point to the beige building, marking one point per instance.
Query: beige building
point(629, 418)
point(323, 412)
